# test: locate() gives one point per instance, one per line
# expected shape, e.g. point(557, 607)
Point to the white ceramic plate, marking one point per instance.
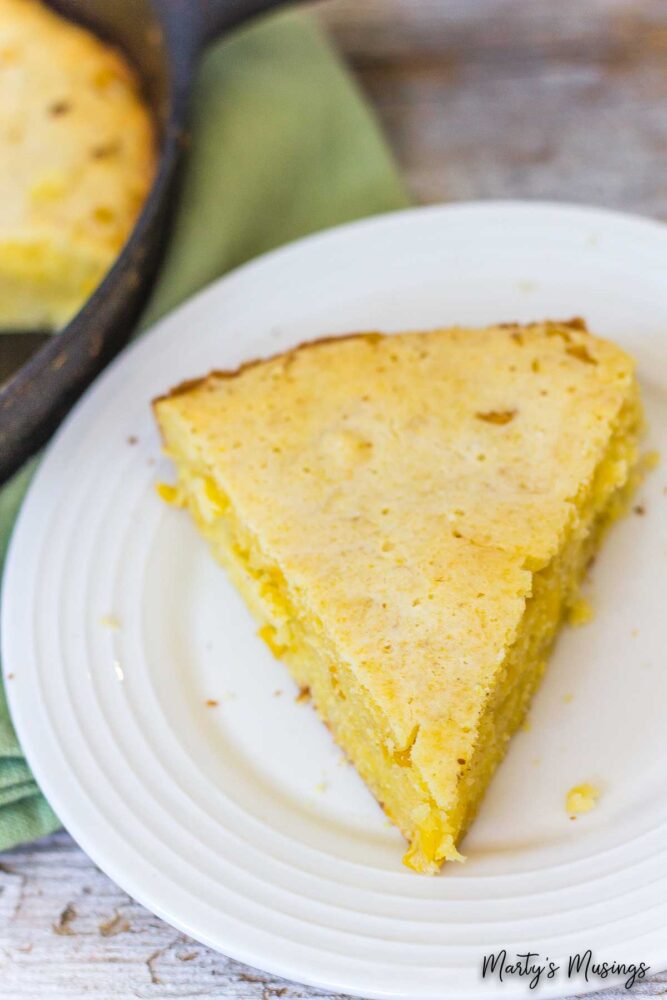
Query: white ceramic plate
point(238, 823)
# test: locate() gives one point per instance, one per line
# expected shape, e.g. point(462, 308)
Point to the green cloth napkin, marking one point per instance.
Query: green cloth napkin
point(283, 145)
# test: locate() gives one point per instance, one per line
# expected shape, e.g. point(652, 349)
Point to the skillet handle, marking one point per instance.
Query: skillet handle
point(218, 16)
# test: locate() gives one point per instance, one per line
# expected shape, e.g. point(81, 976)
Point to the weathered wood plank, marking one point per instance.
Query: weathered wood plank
point(66, 931)
point(508, 98)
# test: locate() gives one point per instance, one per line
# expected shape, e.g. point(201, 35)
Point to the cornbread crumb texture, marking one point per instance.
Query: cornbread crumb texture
point(581, 799)
point(409, 516)
point(76, 160)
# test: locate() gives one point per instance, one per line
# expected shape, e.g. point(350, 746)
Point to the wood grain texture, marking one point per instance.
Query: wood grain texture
point(513, 98)
point(492, 98)
point(66, 931)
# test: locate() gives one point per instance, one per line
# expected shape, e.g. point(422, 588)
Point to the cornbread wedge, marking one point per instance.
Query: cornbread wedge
point(76, 161)
point(408, 517)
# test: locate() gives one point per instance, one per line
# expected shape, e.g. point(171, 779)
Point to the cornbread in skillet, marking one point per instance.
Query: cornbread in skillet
point(408, 517)
point(76, 161)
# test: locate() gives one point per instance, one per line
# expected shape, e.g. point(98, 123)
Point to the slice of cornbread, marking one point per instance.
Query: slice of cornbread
point(76, 160)
point(409, 517)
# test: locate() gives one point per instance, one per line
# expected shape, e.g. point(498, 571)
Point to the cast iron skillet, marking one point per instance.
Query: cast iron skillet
point(163, 39)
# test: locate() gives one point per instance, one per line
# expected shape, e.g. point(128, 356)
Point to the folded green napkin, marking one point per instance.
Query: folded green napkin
point(283, 145)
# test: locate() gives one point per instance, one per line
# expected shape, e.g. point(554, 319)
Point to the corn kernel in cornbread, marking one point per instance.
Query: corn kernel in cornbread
point(408, 518)
point(76, 161)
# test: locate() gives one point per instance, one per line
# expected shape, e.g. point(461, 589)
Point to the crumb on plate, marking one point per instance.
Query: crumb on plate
point(110, 621)
point(580, 613)
point(581, 798)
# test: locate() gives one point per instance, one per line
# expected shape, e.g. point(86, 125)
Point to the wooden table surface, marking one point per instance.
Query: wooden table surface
point(562, 99)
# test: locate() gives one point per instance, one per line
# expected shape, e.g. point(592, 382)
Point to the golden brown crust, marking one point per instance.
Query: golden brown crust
point(224, 373)
point(576, 323)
